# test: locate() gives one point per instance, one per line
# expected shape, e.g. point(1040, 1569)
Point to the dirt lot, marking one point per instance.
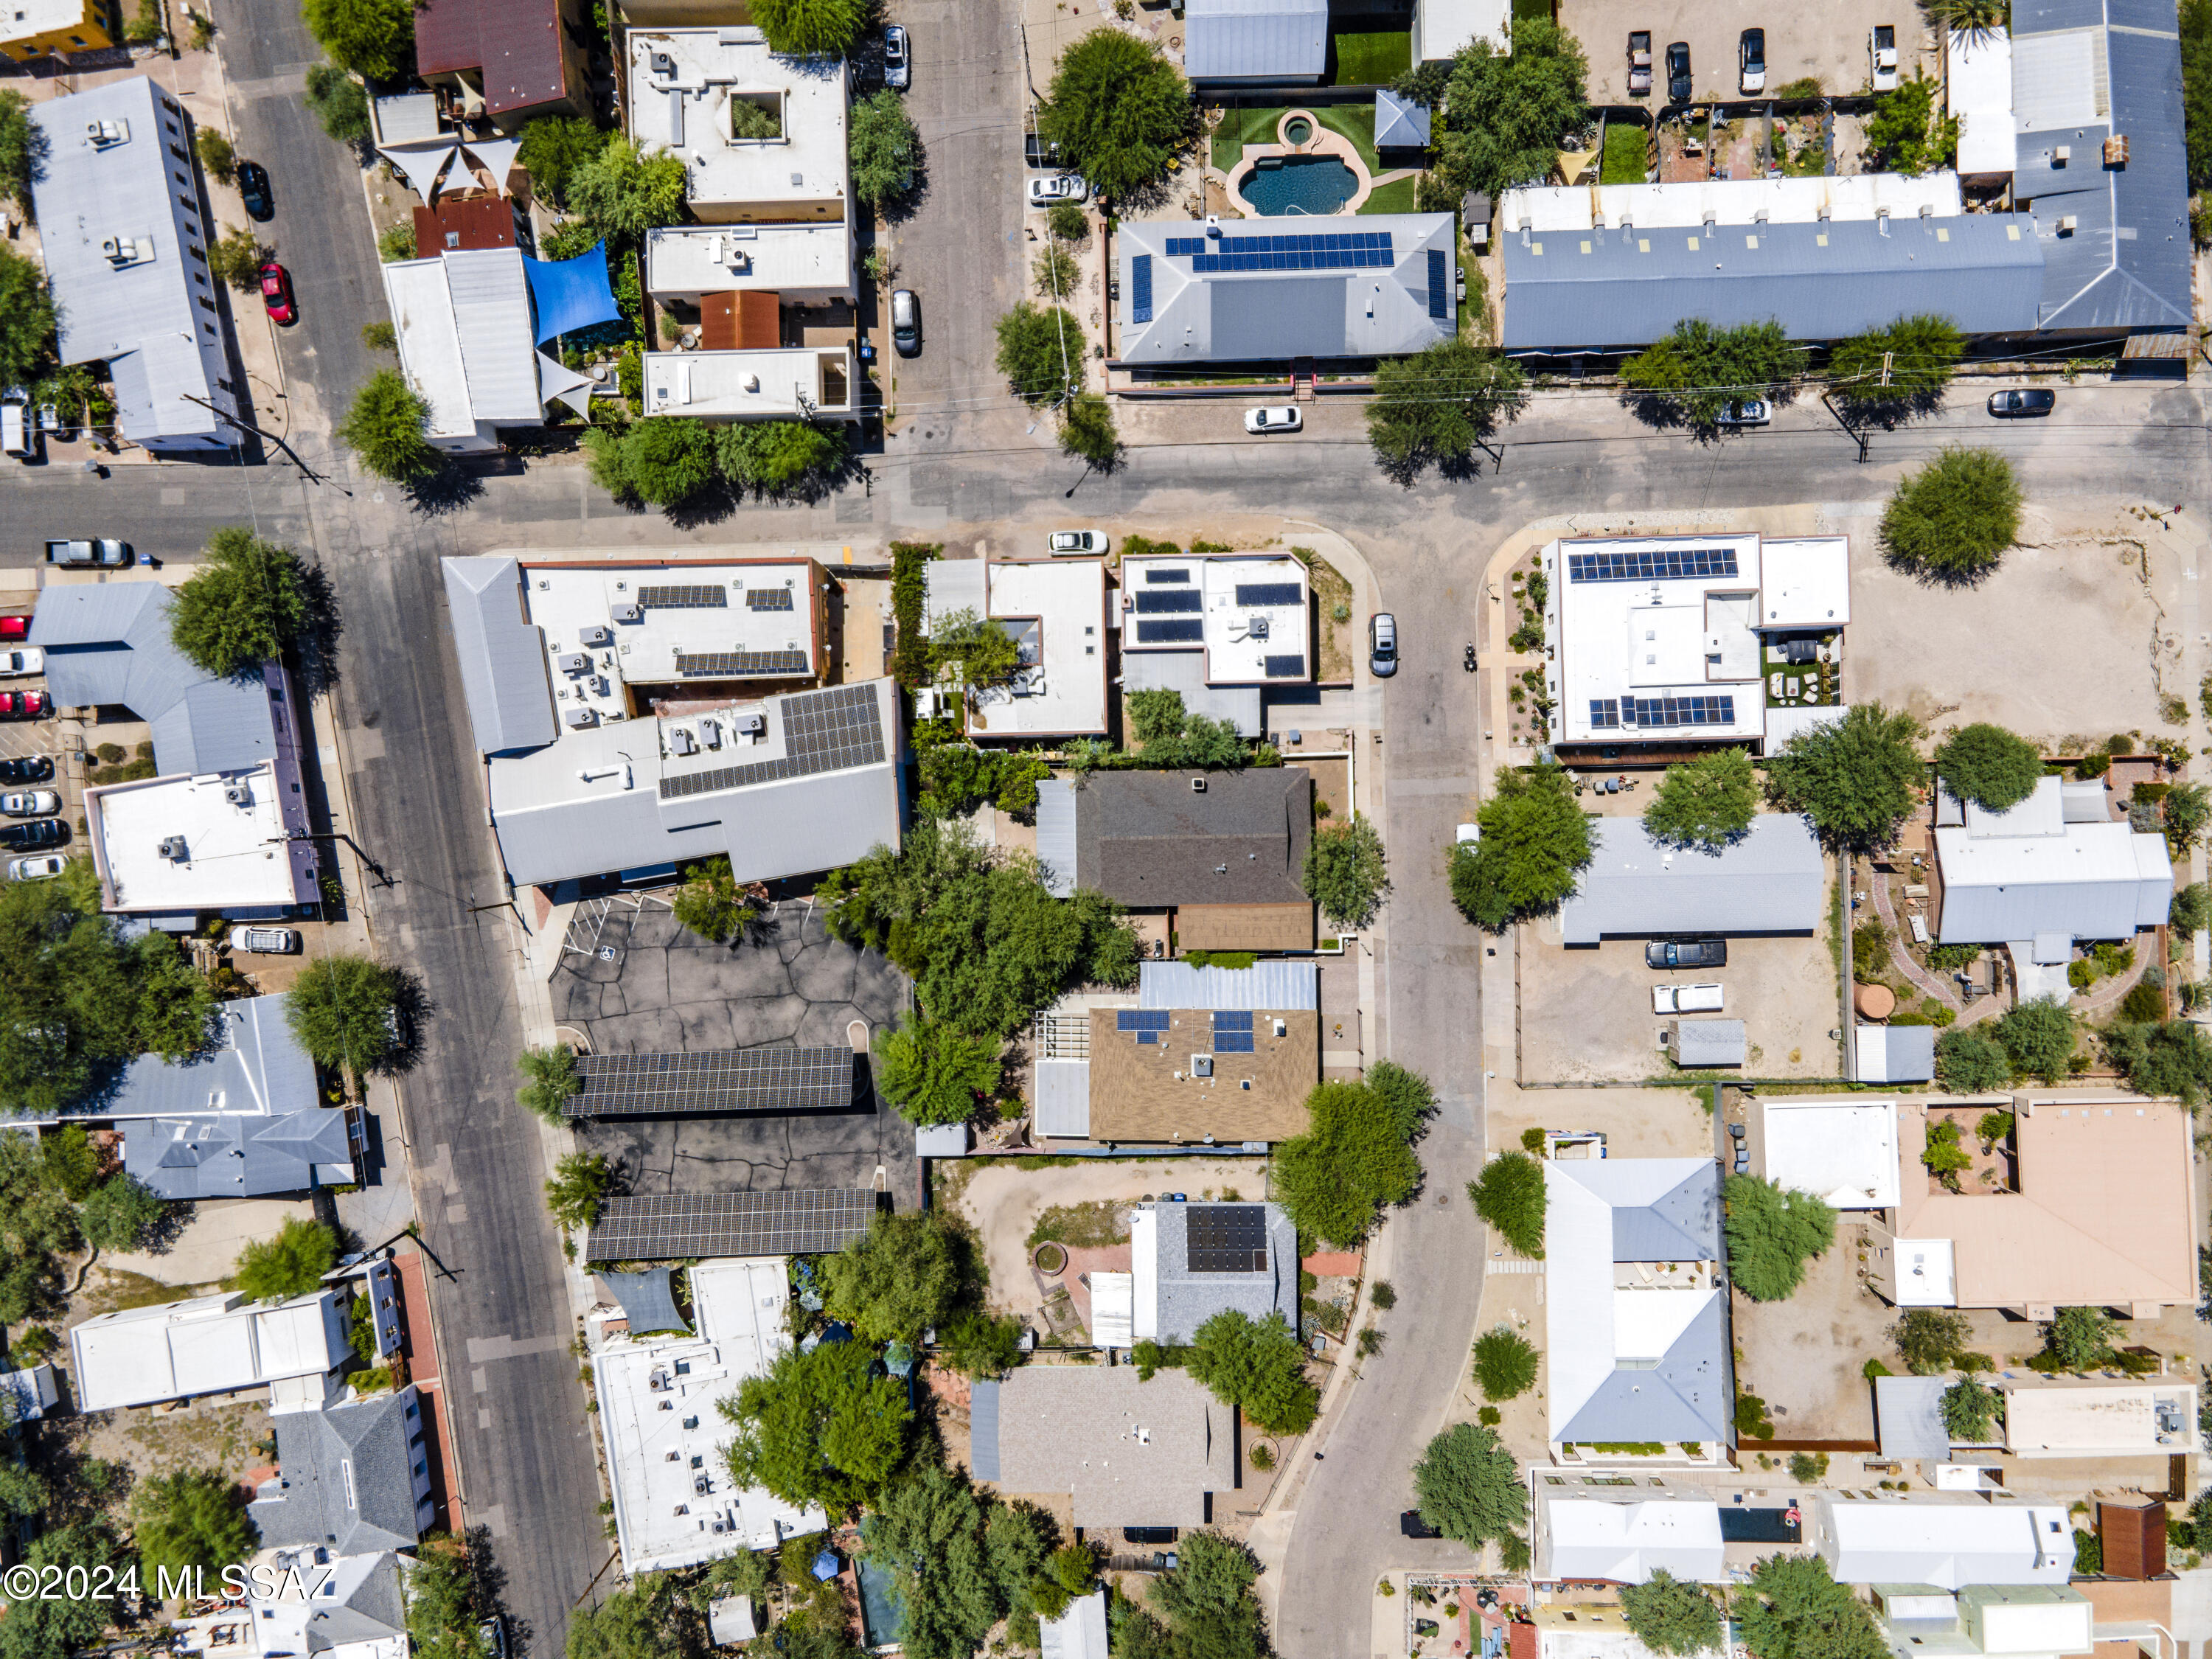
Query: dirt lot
point(1806, 1357)
point(1635, 1122)
point(1586, 1014)
point(1952, 657)
point(1829, 43)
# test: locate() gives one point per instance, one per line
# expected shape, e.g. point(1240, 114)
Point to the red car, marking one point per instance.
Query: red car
point(24, 705)
point(13, 629)
point(276, 293)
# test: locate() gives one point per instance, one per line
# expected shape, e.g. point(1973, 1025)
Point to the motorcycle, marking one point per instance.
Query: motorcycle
point(1467, 659)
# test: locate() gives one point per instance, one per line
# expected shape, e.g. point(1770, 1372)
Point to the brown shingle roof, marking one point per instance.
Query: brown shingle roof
point(1130, 1454)
point(480, 221)
point(515, 45)
point(1151, 841)
point(1136, 1096)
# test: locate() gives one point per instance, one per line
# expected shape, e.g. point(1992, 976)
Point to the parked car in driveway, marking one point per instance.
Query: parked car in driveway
point(37, 867)
point(30, 804)
point(1745, 411)
point(1678, 72)
point(1277, 417)
point(2032, 400)
point(1704, 999)
point(276, 293)
point(1382, 645)
point(1751, 60)
point(1686, 953)
point(14, 627)
point(1881, 57)
point(253, 187)
point(1061, 187)
point(266, 941)
point(23, 659)
point(906, 323)
point(1639, 64)
point(898, 69)
point(1080, 541)
point(24, 705)
point(27, 769)
point(29, 836)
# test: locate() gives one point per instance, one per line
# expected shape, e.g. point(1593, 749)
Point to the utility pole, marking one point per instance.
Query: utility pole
point(248, 426)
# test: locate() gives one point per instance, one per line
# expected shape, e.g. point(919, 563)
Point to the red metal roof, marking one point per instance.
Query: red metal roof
point(515, 45)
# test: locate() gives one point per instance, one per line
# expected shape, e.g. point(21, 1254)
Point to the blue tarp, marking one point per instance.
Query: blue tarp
point(571, 294)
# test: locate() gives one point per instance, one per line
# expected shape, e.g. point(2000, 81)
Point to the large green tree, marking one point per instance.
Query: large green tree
point(1908, 131)
point(1772, 1231)
point(934, 1074)
point(1969, 1410)
point(885, 148)
point(929, 1529)
point(27, 319)
point(1970, 1062)
point(2170, 1058)
point(1344, 872)
point(23, 145)
point(37, 1222)
point(2039, 1037)
point(2081, 1339)
point(386, 429)
point(1951, 521)
point(1988, 766)
point(1536, 841)
point(1257, 1365)
point(345, 1011)
point(441, 1615)
point(1355, 1157)
point(1672, 1615)
point(1510, 1195)
point(1467, 1486)
point(1906, 362)
point(577, 1189)
point(553, 148)
point(1041, 349)
point(176, 1003)
point(1440, 405)
point(818, 1427)
point(663, 461)
point(1793, 1609)
point(120, 1214)
point(1507, 107)
point(248, 600)
point(191, 1518)
point(1707, 802)
point(777, 458)
point(625, 193)
point(372, 37)
point(904, 1274)
point(339, 102)
point(1856, 778)
point(1697, 371)
point(290, 1263)
point(811, 28)
point(1088, 433)
point(1120, 111)
point(56, 1626)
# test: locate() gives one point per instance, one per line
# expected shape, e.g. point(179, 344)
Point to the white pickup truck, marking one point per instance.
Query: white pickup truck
point(98, 551)
point(1685, 999)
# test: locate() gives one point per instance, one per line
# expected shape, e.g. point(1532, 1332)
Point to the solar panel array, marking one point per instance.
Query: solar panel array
point(1176, 599)
point(714, 1080)
point(705, 597)
point(739, 664)
point(826, 731)
point(1148, 1025)
point(1140, 288)
point(1646, 713)
point(1651, 564)
point(1226, 1238)
point(1170, 633)
point(1261, 593)
point(1293, 667)
point(1364, 250)
point(1232, 1031)
point(669, 1225)
point(767, 598)
point(1178, 574)
point(1439, 283)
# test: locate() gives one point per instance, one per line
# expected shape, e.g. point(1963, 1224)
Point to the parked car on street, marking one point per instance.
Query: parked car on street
point(30, 804)
point(28, 837)
point(1061, 187)
point(1678, 72)
point(906, 322)
point(1751, 60)
point(1411, 1524)
point(14, 627)
point(27, 769)
point(24, 705)
point(253, 186)
point(1745, 411)
point(1080, 541)
point(37, 867)
point(1278, 417)
point(1639, 64)
point(266, 941)
point(276, 293)
point(1382, 645)
point(897, 68)
point(98, 550)
point(2034, 401)
point(23, 659)
point(18, 437)
point(1042, 153)
point(1686, 953)
point(1704, 999)
point(1882, 55)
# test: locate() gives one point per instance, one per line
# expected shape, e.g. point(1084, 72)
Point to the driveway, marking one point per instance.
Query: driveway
point(1828, 43)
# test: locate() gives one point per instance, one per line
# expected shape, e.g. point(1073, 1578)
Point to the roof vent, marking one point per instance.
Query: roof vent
point(2061, 154)
point(1882, 221)
point(628, 613)
point(1928, 209)
point(106, 135)
point(663, 62)
point(238, 793)
point(1712, 218)
point(1202, 1065)
point(1213, 224)
point(2116, 150)
point(173, 849)
point(2066, 225)
point(1198, 785)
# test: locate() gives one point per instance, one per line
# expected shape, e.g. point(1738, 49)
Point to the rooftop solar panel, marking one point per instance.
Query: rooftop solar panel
point(1140, 1020)
point(762, 1080)
point(1176, 574)
point(1226, 1238)
point(699, 598)
point(829, 731)
point(1232, 1019)
point(785, 1222)
point(1177, 631)
point(1233, 1042)
point(1651, 564)
point(1263, 593)
point(739, 664)
point(1168, 599)
point(1140, 288)
point(1291, 667)
point(767, 598)
point(1439, 282)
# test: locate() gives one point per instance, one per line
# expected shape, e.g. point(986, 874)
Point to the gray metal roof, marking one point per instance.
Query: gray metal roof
point(1608, 289)
point(1186, 1300)
point(1772, 881)
point(1276, 314)
point(109, 643)
point(259, 1070)
point(491, 314)
point(1185, 672)
point(239, 1157)
point(647, 1300)
point(2085, 70)
point(1061, 1091)
point(1895, 1054)
point(1400, 123)
point(346, 1477)
point(1148, 839)
point(1255, 39)
point(1275, 986)
point(1686, 1396)
point(983, 1429)
point(502, 655)
point(1055, 834)
point(1679, 1223)
point(1908, 1417)
point(1710, 1042)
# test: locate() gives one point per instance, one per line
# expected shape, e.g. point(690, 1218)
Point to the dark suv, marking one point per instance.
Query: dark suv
point(1686, 953)
point(31, 836)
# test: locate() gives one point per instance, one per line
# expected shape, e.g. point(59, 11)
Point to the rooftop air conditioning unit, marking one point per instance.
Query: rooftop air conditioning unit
point(239, 793)
point(106, 135)
point(1213, 224)
point(1928, 209)
point(2116, 150)
point(663, 62)
point(2066, 225)
point(752, 725)
point(577, 719)
point(712, 731)
point(682, 741)
point(1257, 627)
point(628, 613)
point(119, 250)
point(572, 662)
point(1202, 1065)
point(595, 633)
point(173, 849)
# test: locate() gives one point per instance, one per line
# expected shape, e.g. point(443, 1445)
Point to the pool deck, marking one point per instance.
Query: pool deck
point(1322, 143)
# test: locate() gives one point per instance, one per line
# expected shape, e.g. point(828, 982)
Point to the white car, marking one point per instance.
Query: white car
point(897, 66)
point(1283, 417)
point(1470, 834)
point(1881, 56)
point(1686, 998)
point(266, 941)
point(31, 659)
point(1749, 411)
point(1080, 541)
point(30, 804)
point(1061, 187)
point(36, 869)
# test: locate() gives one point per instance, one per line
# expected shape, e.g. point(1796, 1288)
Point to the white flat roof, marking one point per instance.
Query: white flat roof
point(1677, 651)
point(681, 85)
point(784, 383)
point(1445, 26)
point(237, 854)
point(1806, 582)
point(2097, 1420)
point(1057, 610)
point(690, 616)
point(1247, 612)
point(1977, 89)
point(208, 1344)
point(804, 262)
point(1842, 1151)
point(1625, 1542)
point(662, 1520)
point(1946, 1544)
point(430, 343)
point(1730, 202)
point(1926, 1274)
point(31, 17)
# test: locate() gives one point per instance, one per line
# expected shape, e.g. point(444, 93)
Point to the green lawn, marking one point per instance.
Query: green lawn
point(1626, 145)
point(1375, 58)
point(1240, 127)
point(1396, 197)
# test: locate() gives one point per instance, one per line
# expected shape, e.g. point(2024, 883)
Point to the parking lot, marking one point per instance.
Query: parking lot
point(666, 990)
point(1585, 1015)
point(1828, 43)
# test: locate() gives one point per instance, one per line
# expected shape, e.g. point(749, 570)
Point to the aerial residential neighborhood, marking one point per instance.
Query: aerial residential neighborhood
point(1141, 829)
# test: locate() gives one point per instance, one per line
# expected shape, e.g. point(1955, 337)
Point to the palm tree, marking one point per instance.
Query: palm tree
point(1971, 18)
point(553, 1079)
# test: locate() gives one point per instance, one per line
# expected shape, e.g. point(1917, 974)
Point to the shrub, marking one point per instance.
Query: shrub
point(236, 258)
point(1869, 951)
point(1504, 1363)
point(385, 428)
point(292, 1263)
point(577, 1189)
point(1988, 766)
point(1382, 1294)
point(2038, 1037)
point(1971, 1062)
point(339, 102)
point(216, 155)
point(1970, 1411)
point(1771, 1234)
point(1041, 353)
point(1953, 520)
point(1510, 1195)
point(1670, 1615)
point(2081, 1339)
point(396, 242)
point(1808, 1466)
point(1943, 1155)
point(2144, 1004)
point(1995, 1128)
point(2174, 1059)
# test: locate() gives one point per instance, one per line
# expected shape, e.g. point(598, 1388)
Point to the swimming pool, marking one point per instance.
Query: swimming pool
point(1299, 184)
